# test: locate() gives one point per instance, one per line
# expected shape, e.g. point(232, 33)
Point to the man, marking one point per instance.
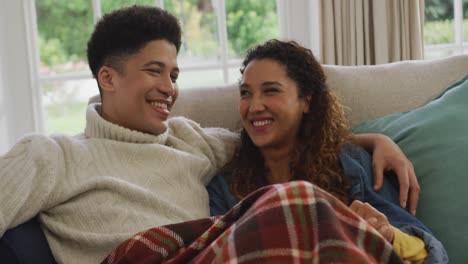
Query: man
point(132, 168)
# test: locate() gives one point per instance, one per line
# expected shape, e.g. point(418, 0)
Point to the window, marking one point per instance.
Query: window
point(216, 35)
point(445, 28)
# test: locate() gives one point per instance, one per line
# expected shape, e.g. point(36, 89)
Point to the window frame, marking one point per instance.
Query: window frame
point(224, 63)
point(459, 46)
point(287, 12)
point(20, 61)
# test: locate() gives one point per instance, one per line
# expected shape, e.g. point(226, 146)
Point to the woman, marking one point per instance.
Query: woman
point(295, 129)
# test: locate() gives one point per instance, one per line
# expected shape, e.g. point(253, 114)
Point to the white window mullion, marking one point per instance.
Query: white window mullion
point(220, 9)
point(441, 47)
point(97, 11)
point(159, 3)
point(458, 23)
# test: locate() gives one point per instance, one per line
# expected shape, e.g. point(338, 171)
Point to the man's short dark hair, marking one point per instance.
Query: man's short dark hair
point(125, 31)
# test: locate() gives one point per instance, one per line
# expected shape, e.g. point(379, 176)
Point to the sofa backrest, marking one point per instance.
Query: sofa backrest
point(374, 91)
point(367, 91)
point(210, 106)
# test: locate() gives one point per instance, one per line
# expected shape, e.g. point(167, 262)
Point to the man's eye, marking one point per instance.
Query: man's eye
point(271, 90)
point(158, 71)
point(174, 78)
point(244, 93)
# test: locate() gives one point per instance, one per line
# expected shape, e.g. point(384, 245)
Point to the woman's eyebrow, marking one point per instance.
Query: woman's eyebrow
point(268, 83)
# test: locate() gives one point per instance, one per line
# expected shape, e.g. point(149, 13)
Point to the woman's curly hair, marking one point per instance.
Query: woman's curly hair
point(322, 132)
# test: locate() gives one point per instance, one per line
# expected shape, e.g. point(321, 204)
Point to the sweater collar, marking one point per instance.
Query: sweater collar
point(98, 127)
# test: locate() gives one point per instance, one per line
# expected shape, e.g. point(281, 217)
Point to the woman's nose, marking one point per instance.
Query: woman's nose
point(256, 104)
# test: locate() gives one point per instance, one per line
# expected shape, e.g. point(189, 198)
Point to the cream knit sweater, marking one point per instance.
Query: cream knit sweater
point(93, 191)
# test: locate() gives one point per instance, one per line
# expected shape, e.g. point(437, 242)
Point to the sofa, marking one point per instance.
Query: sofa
point(419, 104)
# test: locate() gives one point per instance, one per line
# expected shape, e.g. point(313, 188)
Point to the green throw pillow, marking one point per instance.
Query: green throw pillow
point(435, 139)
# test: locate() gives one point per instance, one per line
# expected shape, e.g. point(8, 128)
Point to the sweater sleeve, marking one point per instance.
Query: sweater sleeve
point(218, 144)
point(224, 144)
point(409, 247)
point(26, 174)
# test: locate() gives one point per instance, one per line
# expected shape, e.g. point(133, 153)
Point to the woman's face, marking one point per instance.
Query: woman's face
point(270, 108)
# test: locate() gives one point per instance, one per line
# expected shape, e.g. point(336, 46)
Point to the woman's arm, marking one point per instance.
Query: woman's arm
point(221, 198)
point(387, 155)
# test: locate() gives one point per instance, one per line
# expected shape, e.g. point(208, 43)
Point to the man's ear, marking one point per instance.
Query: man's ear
point(307, 104)
point(106, 78)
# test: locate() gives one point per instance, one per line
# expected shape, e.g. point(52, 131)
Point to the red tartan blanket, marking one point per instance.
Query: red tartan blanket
point(294, 222)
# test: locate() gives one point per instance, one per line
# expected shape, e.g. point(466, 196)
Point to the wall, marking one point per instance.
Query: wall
point(19, 111)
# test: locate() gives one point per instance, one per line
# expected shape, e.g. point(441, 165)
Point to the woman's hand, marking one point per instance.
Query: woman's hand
point(387, 155)
point(375, 218)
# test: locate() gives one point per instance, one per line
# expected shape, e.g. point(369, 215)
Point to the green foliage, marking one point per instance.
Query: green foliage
point(436, 10)
point(110, 5)
point(441, 32)
point(465, 30)
point(65, 26)
point(198, 22)
point(66, 117)
point(52, 51)
point(465, 8)
point(250, 22)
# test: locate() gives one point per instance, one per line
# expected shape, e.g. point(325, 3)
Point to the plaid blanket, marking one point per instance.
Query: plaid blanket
point(294, 222)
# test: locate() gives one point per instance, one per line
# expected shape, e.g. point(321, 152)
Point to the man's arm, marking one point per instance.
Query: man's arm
point(387, 155)
point(25, 176)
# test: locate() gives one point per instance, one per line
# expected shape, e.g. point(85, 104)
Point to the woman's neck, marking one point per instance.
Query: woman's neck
point(277, 164)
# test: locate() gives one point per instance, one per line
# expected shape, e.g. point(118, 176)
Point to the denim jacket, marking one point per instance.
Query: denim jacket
point(357, 165)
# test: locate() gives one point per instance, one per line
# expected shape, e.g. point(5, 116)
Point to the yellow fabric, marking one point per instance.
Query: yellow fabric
point(409, 247)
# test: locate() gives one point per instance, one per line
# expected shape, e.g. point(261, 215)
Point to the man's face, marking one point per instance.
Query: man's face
point(141, 97)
